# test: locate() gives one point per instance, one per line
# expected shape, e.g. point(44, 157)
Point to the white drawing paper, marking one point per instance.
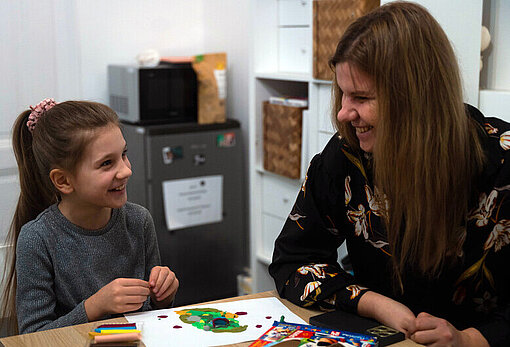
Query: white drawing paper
point(193, 201)
point(259, 317)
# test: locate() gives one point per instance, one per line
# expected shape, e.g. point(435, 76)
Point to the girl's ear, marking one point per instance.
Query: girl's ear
point(61, 180)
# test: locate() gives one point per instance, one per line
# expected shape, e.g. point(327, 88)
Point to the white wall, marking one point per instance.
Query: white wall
point(227, 29)
point(60, 48)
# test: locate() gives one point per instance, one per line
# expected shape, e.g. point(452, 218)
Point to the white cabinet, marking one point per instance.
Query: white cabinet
point(271, 227)
point(282, 66)
point(294, 49)
point(294, 13)
point(278, 195)
point(325, 108)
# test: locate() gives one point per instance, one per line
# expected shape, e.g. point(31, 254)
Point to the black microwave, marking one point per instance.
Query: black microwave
point(153, 95)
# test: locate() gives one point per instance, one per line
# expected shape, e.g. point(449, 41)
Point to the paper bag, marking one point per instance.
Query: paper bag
point(211, 70)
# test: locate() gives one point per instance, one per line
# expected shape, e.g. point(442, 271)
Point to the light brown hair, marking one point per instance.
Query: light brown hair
point(58, 141)
point(427, 152)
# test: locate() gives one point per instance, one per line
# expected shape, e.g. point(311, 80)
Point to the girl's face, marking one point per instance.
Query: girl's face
point(359, 103)
point(101, 176)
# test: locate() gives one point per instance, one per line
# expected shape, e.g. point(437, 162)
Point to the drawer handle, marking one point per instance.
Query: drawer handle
point(285, 200)
point(303, 2)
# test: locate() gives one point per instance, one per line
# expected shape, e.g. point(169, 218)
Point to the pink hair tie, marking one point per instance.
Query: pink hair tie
point(38, 110)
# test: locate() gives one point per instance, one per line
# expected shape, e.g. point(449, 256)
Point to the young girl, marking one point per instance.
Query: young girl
point(83, 252)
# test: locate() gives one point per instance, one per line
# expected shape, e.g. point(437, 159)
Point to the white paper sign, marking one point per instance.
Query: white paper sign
point(193, 201)
point(162, 328)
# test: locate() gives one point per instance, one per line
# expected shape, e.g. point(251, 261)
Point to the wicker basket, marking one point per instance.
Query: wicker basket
point(282, 139)
point(330, 19)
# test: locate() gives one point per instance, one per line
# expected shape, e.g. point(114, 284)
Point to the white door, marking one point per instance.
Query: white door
point(9, 187)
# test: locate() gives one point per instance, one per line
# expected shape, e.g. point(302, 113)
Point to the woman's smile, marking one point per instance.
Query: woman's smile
point(359, 103)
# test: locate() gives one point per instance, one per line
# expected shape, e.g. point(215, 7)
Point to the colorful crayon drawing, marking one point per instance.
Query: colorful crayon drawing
point(211, 319)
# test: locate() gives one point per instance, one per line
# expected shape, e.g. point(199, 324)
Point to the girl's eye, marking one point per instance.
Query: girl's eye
point(106, 163)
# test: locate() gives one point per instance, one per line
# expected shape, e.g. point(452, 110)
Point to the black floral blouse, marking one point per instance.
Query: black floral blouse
point(336, 203)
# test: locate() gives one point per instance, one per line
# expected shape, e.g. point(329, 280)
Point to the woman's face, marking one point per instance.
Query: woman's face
point(359, 103)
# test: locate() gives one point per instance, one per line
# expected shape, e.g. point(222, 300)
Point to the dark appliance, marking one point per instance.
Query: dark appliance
point(153, 95)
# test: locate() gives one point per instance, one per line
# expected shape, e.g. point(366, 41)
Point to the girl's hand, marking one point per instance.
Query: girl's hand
point(387, 311)
point(119, 296)
point(434, 331)
point(163, 285)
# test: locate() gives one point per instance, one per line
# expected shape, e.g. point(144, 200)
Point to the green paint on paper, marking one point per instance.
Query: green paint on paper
point(211, 319)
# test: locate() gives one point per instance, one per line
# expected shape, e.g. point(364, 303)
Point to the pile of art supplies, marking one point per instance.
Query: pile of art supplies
point(120, 332)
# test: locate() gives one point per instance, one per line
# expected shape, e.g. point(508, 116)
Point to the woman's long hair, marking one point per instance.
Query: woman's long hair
point(58, 141)
point(427, 152)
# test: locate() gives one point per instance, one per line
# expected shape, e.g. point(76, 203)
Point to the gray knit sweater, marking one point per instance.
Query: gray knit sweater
point(59, 265)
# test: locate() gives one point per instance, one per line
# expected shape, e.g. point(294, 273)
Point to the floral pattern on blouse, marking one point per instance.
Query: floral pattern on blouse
point(362, 216)
point(337, 202)
point(309, 275)
point(486, 214)
point(355, 289)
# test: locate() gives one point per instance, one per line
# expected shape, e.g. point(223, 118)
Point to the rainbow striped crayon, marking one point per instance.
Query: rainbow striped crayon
point(115, 328)
point(113, 332)
point(116, 331)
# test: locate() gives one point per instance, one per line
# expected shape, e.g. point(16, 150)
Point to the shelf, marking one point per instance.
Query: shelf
point(321, 81)
point(283, 76)
point(325, 132)
point(263, 171)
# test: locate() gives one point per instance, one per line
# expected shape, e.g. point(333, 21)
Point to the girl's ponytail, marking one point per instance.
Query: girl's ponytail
point(35, 192)
point(35, 196)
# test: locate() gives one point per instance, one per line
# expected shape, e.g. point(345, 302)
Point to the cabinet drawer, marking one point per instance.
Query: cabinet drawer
point(294, 50)
point(278, 196)
point(325, 109)
point(293, 12)
point(271, 228)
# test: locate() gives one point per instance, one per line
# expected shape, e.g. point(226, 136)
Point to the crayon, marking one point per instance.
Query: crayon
point(115, 328)
point(118, 337)
point(110, 332)
point(119, 325)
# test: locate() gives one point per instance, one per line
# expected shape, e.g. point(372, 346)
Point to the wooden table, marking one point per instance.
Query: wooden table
point(77, 335)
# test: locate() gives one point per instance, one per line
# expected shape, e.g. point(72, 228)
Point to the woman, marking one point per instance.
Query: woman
point(415, 181)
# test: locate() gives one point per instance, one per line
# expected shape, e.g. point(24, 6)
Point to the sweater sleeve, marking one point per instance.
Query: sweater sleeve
point(304, 266)
point(152, 255)
point(35, 297)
